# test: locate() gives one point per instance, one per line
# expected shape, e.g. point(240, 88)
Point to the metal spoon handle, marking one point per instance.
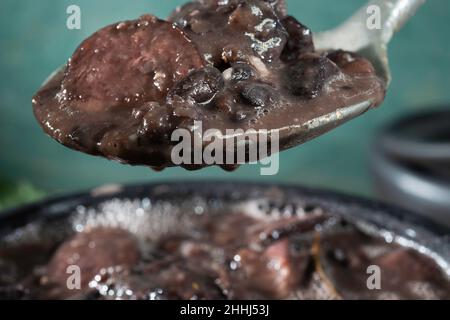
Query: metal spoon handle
point(394, 14)
point(374, 23)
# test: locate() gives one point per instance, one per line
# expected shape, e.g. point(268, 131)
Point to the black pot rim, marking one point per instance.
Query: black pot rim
point(16, 217)
point(398, 183)
point(417, 148)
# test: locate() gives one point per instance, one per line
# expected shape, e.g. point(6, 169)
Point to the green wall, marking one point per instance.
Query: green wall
point(34, 41)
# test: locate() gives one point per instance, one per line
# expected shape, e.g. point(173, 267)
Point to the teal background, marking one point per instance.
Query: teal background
point(34, 40)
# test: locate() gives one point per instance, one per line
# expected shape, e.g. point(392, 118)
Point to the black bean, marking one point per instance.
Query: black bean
point(259, 95)
point(225, 102)
point(155, 124)
point(300, 39)
point(278, 5)
point(308, 75)
point(200, 85)
point(242, 71)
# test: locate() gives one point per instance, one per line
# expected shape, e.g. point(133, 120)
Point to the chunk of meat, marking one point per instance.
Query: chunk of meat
point(420, 268)
point(351, 63)
point(91, 251)
point(129, 62)
point(273, 273)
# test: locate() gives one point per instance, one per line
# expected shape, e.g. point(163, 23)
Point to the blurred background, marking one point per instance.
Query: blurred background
point(34, 41)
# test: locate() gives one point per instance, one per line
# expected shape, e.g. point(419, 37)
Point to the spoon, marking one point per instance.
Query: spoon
point(353, 35)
